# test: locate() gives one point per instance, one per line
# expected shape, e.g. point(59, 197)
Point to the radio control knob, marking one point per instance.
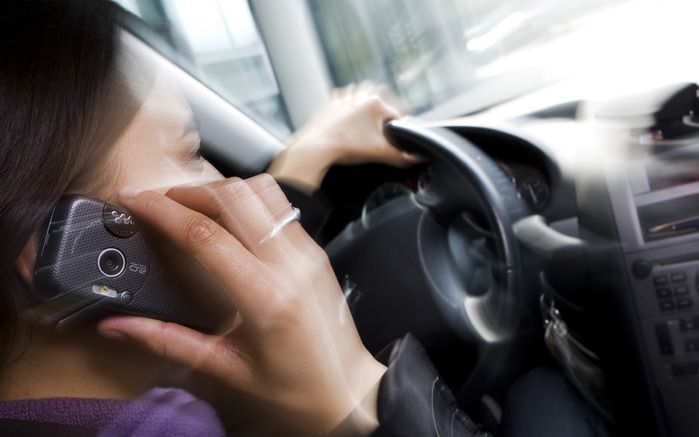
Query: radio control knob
point(642, 268)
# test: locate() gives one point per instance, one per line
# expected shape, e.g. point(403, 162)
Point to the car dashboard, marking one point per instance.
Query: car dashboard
point(633, 205)
point(633, 202)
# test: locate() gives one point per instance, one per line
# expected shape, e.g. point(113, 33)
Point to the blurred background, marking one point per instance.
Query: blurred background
point(277, 59)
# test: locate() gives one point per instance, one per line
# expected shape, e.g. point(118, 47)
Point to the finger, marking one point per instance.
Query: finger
point(336, 93)
point(380, 111)
point(384, 91)
point(197, 197)
point(392, 112)
point(367, 88)
point(272, 195)
point(268, 190)
point(239, 208)
point(200, 198)
point(182, 345)
point(387, 112)
point(293, 241)
point(389, 154)
point(380, 97)
point(393, 102)
point(348, 91)
point(229, 262)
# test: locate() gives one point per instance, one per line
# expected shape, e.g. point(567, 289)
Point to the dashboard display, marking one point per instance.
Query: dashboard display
point(535, 191)
point(532, 186)
point(670, 218)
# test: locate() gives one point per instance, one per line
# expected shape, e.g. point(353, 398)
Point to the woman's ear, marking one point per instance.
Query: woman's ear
point(27, 259)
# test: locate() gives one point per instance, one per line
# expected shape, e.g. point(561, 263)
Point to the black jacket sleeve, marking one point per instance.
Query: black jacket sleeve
point(413, 400)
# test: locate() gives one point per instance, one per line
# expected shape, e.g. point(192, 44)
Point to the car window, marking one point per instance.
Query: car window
point(218, 42)
point(428, 51)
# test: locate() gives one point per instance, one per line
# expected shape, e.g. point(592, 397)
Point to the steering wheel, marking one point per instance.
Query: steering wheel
point(450, 246)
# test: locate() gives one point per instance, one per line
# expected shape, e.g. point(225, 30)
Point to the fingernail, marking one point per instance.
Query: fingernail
point(127, 192)
point(113, 334)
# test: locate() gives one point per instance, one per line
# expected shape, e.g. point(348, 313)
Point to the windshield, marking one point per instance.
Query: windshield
point(430, 51)
point(439, 57)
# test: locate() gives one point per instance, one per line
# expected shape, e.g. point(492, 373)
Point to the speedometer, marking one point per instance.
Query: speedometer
point(531, 184)
point(534, 189)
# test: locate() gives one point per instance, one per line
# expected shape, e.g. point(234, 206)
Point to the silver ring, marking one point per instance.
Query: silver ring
point(295, 215)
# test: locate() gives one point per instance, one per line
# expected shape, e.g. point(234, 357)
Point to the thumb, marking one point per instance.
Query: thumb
point(210, 354)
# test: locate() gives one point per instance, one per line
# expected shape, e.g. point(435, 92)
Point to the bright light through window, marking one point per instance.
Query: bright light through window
point(218, 41)
point(431, 51)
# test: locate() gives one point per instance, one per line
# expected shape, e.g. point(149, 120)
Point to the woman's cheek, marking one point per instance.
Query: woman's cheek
point(198, 173)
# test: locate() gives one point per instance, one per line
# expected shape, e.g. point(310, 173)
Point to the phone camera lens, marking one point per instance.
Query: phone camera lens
point(111, 262)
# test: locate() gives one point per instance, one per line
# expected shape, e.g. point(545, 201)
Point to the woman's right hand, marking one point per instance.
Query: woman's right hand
point(296, 350)
point(348, 129)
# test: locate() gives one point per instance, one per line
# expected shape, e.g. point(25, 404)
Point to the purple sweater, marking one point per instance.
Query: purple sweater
point(160, 412)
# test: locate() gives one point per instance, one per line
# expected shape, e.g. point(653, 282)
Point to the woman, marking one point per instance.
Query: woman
point(74, 121)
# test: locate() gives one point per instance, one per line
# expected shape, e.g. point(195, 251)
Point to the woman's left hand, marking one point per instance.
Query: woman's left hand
point(346, 130)
point(294, 352)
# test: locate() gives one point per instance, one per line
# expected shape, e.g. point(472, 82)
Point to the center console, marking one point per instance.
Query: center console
point(655, 202)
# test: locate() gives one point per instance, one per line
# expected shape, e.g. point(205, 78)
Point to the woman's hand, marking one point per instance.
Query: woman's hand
point(294, 349)
point(346, 130)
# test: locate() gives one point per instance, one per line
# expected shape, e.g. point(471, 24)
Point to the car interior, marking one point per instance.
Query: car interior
point(550, 225)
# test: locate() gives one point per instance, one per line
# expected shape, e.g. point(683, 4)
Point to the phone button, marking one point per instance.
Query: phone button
point(119, 222)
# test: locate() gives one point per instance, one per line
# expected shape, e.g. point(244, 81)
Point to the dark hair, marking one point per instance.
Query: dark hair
point(59, 93)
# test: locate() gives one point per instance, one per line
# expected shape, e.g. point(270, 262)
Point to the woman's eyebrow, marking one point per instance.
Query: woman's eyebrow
point(190, 127)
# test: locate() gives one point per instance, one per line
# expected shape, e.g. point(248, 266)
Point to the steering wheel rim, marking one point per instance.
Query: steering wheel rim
point(399, 262)
point(491, 317)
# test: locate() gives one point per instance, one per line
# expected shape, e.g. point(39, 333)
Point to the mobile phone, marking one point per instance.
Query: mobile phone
point(95, 259)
